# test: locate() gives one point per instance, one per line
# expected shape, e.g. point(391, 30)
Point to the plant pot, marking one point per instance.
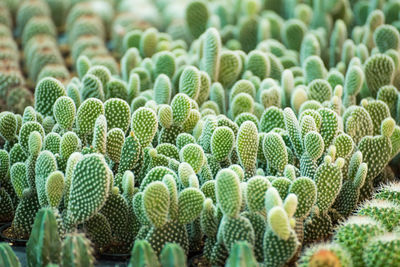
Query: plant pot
point(11, 240)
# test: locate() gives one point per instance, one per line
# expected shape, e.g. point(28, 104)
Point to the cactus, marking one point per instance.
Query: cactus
point(325, 254)
point(247, 146)
point(194, 155)
point(378, 72)
point(382, 211)
point(306, 191)
point(144, 125)
point(275, 152)
point(382, 250)
point(197, 15)
point(211, 52)
point(25, 213)
point(6, 203)
point(280, 241)
point(172, 255)
point(47, 92)
point(189, 82)
point(365, 229)
point(8, 257)
point(87, 114)
point(327, 175)
point(143, 254)
point(82, 204)
point(76, 251)
point(44, 244)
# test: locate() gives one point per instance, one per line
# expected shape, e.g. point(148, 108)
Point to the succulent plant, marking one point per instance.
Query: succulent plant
point(8, 256)
point(242, 131)
point(44, 244)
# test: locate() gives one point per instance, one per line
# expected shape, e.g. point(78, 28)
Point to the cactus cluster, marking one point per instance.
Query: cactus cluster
point(252, 132)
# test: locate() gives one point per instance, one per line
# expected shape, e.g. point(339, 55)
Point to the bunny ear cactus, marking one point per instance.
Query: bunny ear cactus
point(349, 194)
point(357, 123)
point(189, 82)
point(100, 135)
point(70, 143)
point(389, 95)
point(77, 251)
point(156, 203)
point(194, 155)
point(209, 127)
point(197, 15)
point(378, 111)
point(228, 192)
point(328, 179)
point(229, 68)
point(44, 245)
point(211, 53)
point(313, 150)
point(48, 90)
point(115, 141)
point(69, 171)
point(18, 178)
point(117, 113)
point(229, 197)
point(280, 241)
point(92, 87)
point(353, 83)
point(25, 213)
point(130, 153)
point(255, 192)
point(55, 188)
point(117, 212)
point(25, 131)
point(46, 164)
point(52, 142)
point(330, 125)
point(64, 111)
point(293, 128)
point(306, 191)
point(190, 203)
point(8, 126)
point(209, 226)
point(222, 143)
point(379, 71)
point(98, 230)
point(6, 203)
point(144, 124)
point(5, 164)
point(376, 153)
point(87, 114)
point(91, 171)
point(180, 108)
point(247, 147)
point(162, 89)
point(182, 209)
point(275, 151)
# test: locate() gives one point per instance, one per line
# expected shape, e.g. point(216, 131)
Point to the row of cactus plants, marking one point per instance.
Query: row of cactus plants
point(243, 138)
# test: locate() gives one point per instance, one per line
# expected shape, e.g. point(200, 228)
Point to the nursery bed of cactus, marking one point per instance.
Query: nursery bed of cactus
point(200, 133)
